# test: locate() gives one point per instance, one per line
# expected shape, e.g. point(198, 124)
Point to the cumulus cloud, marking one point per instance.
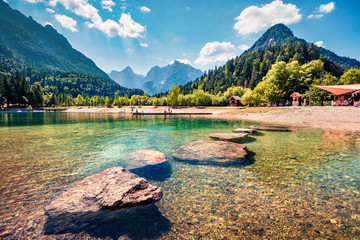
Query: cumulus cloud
point(216, 52)
point(323, 9)
point(66, 22)
point(145, 45)
point(125, 27)
point(254, 19)
point(243, 47)
point(145, 9)
point(49, 10)
point(320, 44)
point(107, 4)
point(184, 61)
point(327, 8)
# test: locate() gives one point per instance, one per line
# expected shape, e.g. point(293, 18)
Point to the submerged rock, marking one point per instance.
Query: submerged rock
point(149, 164)
point(143, 158)
point(245, 130)
point(211, 152)
point(113, 188)
point(228, 136)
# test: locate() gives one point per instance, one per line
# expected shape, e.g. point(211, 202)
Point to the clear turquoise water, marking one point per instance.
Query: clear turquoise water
point(299, 184)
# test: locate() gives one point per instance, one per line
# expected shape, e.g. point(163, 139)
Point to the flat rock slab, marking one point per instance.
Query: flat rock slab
point(143, 158)
point(244, 130)
point(228, 136)
point(211, 152)
point(273, 128)
point(111, 189)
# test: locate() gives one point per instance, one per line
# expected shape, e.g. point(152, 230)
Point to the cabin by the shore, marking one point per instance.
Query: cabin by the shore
point(234, 101)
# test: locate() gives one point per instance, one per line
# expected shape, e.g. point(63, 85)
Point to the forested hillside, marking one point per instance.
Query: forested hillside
point(30, 44)
point(275, 45)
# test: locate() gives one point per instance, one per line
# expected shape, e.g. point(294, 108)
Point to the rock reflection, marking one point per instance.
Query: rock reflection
point(144, 222)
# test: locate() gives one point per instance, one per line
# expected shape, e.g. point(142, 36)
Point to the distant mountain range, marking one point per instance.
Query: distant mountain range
point(45, 56)
point(158, 79)
point(278, 43)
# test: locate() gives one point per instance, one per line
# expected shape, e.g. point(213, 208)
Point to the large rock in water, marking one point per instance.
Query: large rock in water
point(244, 130)
point(143, 158)
point(229, 136)
point(113, 188)
point(211, 152)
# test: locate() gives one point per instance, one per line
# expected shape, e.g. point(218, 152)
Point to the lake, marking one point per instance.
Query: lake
point(299, 184)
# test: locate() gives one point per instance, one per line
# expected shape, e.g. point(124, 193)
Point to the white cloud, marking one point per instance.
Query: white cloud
point(184, 61)
point(243, 47)
point(188, 8)
point(315, 15)
point(66, 22)
point(327, 8)
point(33, 1)
point(254, 19)
point(145, 45)
point(107, 4)
point(49, 10)
point(5, 1)
point(320, 44)
point(145, 9)
point(48, 23)
point(130, 50)
point(216, 52)
point(323, 9)
point(125, 27)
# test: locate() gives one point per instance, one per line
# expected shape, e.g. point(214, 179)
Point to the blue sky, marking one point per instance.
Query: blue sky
point(204, 33)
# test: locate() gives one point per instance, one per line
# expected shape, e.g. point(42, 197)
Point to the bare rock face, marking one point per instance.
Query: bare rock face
point(143, 158)
point(113, 188)
point(228, 136)
point(211, 152)
point(244, 130)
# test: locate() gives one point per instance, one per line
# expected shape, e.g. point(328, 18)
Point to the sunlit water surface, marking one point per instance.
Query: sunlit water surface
point(299, 184)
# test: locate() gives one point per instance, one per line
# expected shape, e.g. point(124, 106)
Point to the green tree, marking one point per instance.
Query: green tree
point(132, 102)
point(117, 100)
point(174, 95)
point(107, 102)
point(350, 77)
point(37, 94)
point(249, 98)
point(88, 101)
point(79, 100)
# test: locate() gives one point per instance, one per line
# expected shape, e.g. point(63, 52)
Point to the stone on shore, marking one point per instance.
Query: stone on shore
point(211, 152)
point(111, 189)
point(143, 158)
point(273, 128)
point(244, 130)
point(228, 136)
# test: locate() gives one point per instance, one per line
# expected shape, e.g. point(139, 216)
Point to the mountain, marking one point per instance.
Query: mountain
point(275, 35)
point(281, 34)
point(161, 79)
point(158, 79)
point(127, 78)
point(45, 56)
point(278, 43)
point(29, 44)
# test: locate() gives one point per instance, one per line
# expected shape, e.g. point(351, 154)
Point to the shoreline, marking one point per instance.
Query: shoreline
point(325, 117)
